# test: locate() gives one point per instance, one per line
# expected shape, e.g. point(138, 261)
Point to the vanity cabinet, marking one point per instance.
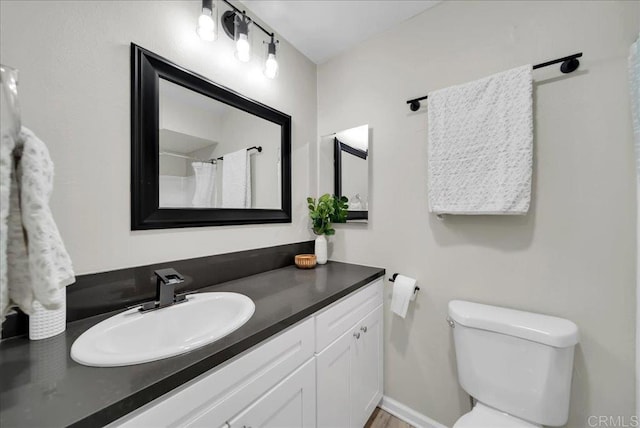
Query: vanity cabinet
point(325, 371)
point(349, 381)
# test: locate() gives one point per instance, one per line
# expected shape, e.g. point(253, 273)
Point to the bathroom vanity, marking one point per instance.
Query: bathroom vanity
point(324, 371)
point(311, 355)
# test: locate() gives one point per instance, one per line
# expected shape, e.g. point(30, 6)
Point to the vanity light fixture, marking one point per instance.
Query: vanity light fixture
point(207, 27)
point(271, 64)
point(236, 24)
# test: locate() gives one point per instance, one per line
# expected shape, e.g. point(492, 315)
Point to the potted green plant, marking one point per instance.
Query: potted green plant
point(325, 211)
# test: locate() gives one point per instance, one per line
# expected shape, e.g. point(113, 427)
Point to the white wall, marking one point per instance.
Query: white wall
point(572, 256)
point(189, 118)
point(326, 181)
point(75, 93)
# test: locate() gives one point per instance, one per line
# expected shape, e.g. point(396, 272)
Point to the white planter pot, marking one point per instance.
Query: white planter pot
point(321, 249)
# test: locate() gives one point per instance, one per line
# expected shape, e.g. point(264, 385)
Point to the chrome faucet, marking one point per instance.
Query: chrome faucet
point(166, 280)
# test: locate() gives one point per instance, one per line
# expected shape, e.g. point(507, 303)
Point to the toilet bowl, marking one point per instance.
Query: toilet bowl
point(516, 364)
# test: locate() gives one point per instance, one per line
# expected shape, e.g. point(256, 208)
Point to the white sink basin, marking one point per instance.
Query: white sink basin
point(133, 337)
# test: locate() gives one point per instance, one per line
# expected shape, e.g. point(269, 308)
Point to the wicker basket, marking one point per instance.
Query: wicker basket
point(306, 261)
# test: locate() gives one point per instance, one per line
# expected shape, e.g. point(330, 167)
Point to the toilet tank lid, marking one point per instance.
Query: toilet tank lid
point(552, 331)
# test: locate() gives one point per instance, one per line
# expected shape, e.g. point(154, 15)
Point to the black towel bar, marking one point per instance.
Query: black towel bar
point(569, 64)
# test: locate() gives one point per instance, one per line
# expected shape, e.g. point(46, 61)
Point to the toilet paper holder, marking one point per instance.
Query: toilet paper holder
point(393, 279)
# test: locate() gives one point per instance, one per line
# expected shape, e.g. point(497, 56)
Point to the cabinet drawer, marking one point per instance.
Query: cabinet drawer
point(216, 396)
point(341, 316)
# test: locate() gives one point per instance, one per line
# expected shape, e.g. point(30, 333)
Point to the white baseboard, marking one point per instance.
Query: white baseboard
point(407, 414)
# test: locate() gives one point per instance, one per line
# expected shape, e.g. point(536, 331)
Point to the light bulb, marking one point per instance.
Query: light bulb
point(206, 28)
point(243, 48)
point(271, 66)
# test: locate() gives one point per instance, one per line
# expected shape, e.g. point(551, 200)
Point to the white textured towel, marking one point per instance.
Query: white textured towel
point(9, 130)
point(38, 265)
point(204, 195)
point(236, 180)
point(481, 145)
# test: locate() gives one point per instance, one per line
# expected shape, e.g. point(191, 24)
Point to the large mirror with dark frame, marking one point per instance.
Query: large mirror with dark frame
point(202, 154)
point(344, 169)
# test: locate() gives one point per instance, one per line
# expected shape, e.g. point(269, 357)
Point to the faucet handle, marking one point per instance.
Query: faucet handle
point(181, 297)
point(169, 276)
point(143, 307)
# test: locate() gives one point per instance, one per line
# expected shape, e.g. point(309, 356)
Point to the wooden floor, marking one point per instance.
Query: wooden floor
point(382, 419)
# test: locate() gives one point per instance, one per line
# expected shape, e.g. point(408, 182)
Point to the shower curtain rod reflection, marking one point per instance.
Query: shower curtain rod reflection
point(258, 148)
point(569, 64)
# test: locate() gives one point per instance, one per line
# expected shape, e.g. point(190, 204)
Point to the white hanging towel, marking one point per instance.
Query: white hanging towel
point(6, 167)
point(480, 150)
point(38, 265)
point(236, 180)
point(205, 188)
point(9, 130)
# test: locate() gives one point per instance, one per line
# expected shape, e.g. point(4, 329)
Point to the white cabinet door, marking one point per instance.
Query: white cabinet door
point(367, 375)
point(334, 369)
point(349, 375)
point(290, 404)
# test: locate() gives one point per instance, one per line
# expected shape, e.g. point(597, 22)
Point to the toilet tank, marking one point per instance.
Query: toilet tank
point(514, 361)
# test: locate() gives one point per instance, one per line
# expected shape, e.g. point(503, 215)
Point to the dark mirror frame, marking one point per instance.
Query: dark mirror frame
point(338, 148)
point(146, 70)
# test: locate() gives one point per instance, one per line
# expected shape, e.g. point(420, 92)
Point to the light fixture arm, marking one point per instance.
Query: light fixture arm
point(271, 48)
point(244, 14)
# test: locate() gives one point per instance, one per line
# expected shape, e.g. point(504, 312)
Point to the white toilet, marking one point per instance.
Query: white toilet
point(517, 365)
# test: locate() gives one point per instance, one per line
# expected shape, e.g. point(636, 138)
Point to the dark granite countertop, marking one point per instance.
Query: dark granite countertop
point(41, 386)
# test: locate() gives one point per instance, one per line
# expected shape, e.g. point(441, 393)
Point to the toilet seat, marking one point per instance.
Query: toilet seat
point(483, 416)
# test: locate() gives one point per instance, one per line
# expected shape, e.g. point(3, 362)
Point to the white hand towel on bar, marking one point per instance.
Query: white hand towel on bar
point(38, 265)
point(205, 189)
point(481, 145)
point(236, 180)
